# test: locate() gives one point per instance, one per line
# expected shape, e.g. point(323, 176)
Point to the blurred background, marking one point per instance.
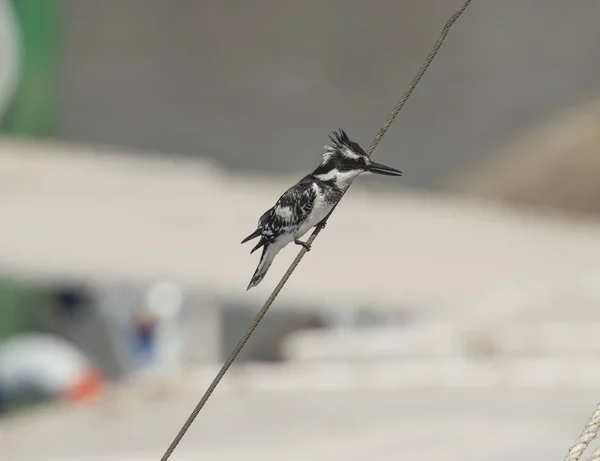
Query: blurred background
point(457, 306)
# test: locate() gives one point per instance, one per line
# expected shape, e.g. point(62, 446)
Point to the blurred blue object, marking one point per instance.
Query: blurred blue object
point(144, 338)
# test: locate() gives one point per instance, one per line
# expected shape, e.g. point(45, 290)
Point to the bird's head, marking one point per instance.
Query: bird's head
point(343, 160)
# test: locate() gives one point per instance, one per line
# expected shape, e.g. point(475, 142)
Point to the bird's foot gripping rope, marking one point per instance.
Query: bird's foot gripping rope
point(304, 245)
point(311, 239)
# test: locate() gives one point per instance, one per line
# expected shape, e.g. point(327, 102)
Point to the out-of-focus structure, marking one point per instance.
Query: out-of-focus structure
point(551, 168)
point(142, 140)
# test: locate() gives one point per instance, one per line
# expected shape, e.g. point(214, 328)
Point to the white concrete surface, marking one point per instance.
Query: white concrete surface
point(448, 340)
point(349, 425)
point(69, 210)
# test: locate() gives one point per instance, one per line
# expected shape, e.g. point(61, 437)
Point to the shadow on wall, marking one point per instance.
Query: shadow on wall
point(552, 167)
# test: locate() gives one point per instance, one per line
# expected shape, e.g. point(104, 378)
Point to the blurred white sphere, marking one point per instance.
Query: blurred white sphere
point(47, 363)
point(164, 299)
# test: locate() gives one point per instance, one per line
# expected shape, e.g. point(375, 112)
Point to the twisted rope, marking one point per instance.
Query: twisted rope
point(589, 433)
point(240, 345)
point(595, 456)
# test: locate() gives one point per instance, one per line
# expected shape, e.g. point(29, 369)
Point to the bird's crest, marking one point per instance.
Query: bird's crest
point(341, 143)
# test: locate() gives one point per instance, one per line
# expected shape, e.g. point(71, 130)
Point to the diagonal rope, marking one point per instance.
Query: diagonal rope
point(240, 345)
point(589, 433)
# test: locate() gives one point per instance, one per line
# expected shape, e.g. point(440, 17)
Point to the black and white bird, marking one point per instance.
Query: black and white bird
point(309, 201)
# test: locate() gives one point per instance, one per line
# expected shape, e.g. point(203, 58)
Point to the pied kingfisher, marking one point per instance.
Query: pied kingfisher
point(308, 202)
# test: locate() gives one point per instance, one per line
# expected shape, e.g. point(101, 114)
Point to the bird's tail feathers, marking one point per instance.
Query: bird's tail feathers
point(266, 259)
point(253, 235)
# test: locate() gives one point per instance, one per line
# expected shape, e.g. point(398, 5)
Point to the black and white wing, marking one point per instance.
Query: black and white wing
point(291, 210)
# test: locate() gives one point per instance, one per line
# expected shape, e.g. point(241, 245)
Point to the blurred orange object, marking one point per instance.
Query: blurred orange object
point(88, 386)
point(49, 365)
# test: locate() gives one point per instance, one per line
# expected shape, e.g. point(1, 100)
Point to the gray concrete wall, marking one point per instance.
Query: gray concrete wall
point(258, 85)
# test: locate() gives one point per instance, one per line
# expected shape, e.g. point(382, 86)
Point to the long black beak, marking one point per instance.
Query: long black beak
point(378, 168)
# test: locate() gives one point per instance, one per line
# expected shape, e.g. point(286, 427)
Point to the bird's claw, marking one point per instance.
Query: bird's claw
point(302, 244)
